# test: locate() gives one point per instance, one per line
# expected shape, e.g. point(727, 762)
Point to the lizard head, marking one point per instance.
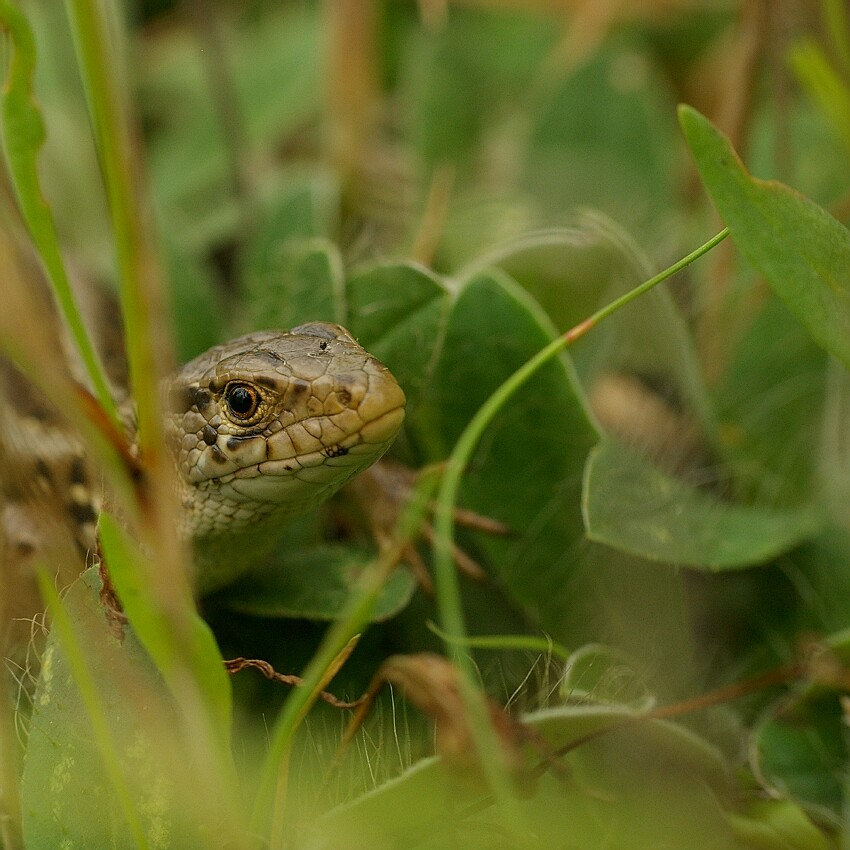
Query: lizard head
point(270, 424)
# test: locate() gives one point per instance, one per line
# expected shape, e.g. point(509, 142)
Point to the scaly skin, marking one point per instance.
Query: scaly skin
point(266, 427)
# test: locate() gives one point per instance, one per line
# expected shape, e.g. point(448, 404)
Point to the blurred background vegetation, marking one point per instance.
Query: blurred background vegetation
point(295, 150)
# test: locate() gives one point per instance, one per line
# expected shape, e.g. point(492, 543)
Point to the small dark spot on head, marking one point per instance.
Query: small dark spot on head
point(217, 454)
point(288, 468)
point(209, 435)
point(200, 397)
point(233, 443)
point(344, 397)
point(322, 346)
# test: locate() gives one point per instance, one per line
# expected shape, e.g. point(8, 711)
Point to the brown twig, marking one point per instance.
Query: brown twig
point(236, 665)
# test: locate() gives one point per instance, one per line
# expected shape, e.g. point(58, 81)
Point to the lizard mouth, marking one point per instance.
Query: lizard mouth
point(282, 489)
point(319, 465)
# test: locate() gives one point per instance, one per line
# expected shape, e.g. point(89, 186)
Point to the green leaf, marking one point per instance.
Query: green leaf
point(68, 799)
point(824, 84)
point(456, 91)
point(315, 584)
point(632, 506)
point(602, 136)
point(802, 251)
point(570, 271)
point(601, 674)
point(196, 302)
point(777, 825)
point(397, 311)
point(302, 280)
point(526, 471)
point(662, 787)
point(573, 271)
point(770, 410)
point(274, 60)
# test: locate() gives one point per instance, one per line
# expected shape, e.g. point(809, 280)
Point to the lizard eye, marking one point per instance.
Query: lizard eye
point(242, 401)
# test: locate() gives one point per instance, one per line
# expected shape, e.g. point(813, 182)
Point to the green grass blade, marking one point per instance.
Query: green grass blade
point(154, 629)
point(140, 286)
point(527, 643)
point(23, 135)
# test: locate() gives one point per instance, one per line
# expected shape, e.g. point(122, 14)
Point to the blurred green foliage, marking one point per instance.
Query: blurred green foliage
point(675, 487)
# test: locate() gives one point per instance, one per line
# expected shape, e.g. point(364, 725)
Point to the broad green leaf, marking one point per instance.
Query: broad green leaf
point(457, 91)
point(573, 271)
point(274, 61)
point(632, 506)
point(570, 271)
point(800, 249)
point(315, 584)
point(661, 786)
point(768, 823)
point(770, 409)
point(821, 565)
point(172, 654)
point(196, 303)
point(290, 270)
point(397, 311)
point(68, 799)
point(601, 674)
point(527, 469)
point(527, 473)
point(824, 84)
point(303, 207)
point(834, 455)
point(602, 137)
point(302, 281)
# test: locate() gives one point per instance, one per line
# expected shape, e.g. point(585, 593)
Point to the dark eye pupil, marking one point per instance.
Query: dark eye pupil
point(241, 401)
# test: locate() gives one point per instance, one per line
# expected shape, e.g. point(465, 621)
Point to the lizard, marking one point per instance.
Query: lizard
point(261, 429)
